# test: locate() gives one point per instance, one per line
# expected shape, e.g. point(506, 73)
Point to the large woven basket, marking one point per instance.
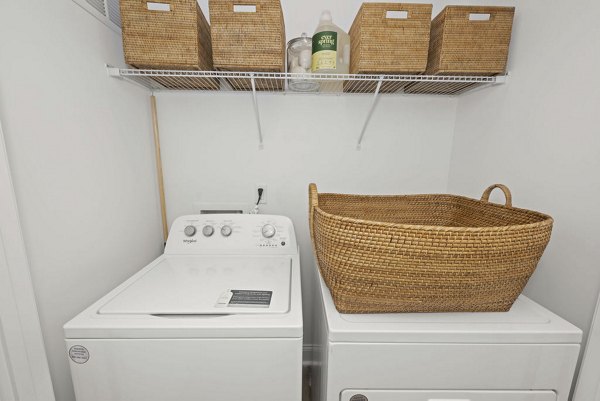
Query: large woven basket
point(424, 253)
point(468, 40)
point(167, 34)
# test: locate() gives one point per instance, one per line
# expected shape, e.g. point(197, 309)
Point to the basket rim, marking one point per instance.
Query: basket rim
point(547, 219)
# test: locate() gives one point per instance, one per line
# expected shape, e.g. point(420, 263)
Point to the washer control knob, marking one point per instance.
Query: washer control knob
point(226, 231)
point(208, 231)
point(189, 231)
point(268, 231)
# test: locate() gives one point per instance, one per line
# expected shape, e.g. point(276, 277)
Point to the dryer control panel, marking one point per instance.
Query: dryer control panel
point(232, 234)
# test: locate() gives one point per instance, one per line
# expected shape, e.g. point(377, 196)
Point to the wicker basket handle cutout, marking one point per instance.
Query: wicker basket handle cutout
point(395, 14)
point(157, 8)
point(486, 194)
point(244, 9)
point(479, 15)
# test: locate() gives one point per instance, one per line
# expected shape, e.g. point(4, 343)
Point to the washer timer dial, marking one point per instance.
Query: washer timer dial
point(208, 231)
point(189, 231)
point(226, 231)
point(268, 231)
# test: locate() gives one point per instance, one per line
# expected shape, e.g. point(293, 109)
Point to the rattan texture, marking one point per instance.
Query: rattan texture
point(248, 41)
point(381, 45)
point(178, 39)
point(424, 253)
point(460, 46)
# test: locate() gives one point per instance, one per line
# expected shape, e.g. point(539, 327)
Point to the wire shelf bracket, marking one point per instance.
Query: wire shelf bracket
point(369, 114)
point(257, 114)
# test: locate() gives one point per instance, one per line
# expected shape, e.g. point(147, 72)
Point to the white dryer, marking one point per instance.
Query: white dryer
point(526, 354)
point(217, 317)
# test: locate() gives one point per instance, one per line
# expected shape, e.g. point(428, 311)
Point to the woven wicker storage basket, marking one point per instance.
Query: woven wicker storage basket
point(468, 40)
point(386, 44)
point(388, 38)
point(424, 253)
point(175, 39)
point(248, 35)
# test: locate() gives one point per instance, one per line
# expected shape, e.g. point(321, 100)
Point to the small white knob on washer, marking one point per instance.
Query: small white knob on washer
point(189, 231)
point(268, 231)
point(208, 231)
point(226, 231)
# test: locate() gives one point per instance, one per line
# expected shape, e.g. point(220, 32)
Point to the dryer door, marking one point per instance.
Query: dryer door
point(442, 395)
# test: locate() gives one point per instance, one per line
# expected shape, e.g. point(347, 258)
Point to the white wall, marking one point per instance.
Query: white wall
point(539, 135)
point(81, 154)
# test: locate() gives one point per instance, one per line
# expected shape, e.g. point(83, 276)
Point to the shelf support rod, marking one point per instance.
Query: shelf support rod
point(373, 104)
point(256, 113)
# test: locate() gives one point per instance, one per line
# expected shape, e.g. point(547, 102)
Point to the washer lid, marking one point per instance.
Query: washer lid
point(207, 285)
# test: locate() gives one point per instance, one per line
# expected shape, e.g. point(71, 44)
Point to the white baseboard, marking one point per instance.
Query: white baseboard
point(307, 355)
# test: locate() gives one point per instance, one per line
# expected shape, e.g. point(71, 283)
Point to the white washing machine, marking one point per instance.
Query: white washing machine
point(217, 317)
point(526, 354)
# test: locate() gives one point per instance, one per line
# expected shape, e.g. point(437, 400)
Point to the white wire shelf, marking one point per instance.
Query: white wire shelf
point(285, 83)
point(269, 82)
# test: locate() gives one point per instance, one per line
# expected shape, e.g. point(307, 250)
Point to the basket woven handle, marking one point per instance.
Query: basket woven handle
point(313, 202)
point(486, 194)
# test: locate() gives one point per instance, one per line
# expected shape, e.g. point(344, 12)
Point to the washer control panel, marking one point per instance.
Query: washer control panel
point(232, 234)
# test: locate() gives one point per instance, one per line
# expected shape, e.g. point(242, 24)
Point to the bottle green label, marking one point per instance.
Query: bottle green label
point(326, 40)
point(324, 51)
